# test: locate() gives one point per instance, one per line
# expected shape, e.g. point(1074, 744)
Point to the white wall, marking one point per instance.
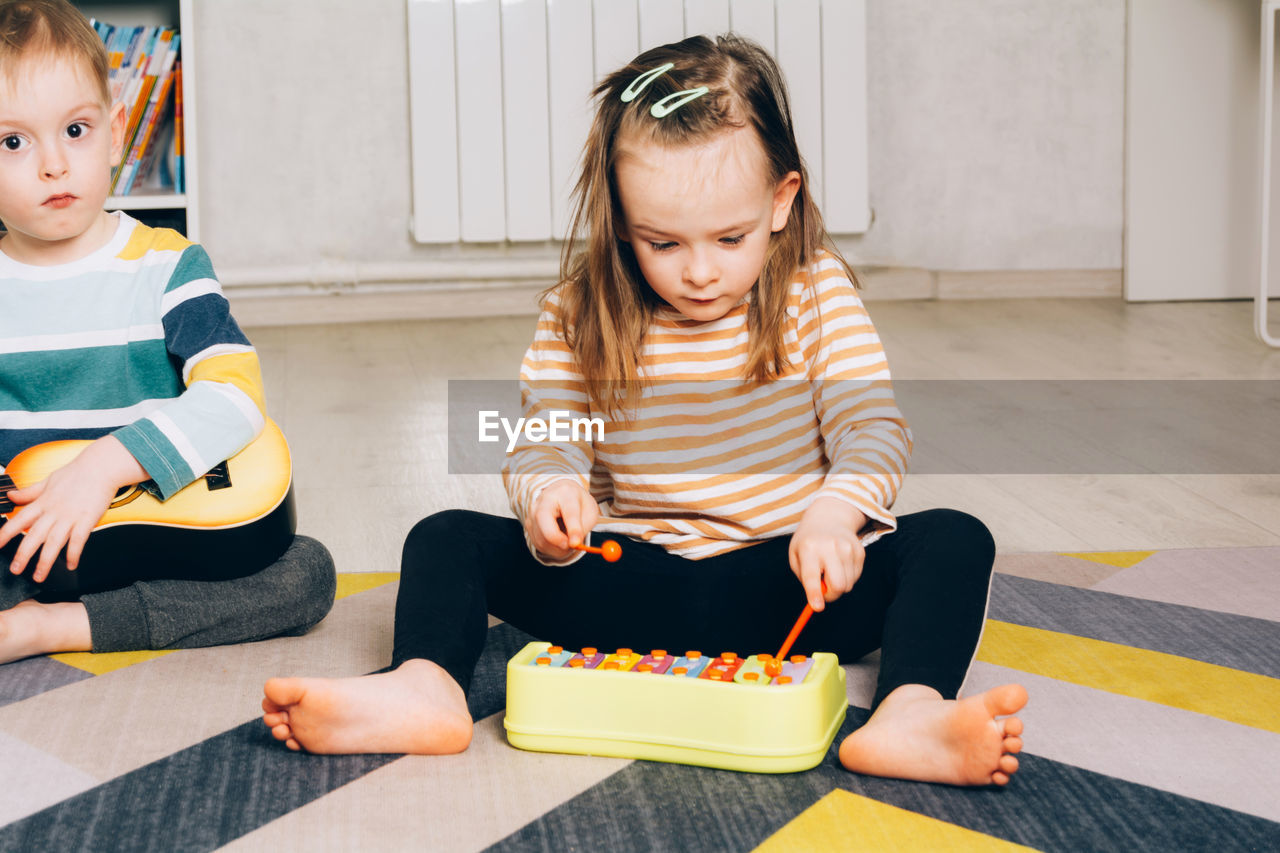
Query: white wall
point(996, 134)
point(1191, 161)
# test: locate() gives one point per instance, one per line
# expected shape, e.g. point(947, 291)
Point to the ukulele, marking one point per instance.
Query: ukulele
point(236, 519)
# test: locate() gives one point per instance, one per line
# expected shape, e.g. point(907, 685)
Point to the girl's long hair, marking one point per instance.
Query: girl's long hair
point(606, 306)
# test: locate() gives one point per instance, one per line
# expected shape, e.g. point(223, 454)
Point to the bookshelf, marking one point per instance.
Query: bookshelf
point(180, 211)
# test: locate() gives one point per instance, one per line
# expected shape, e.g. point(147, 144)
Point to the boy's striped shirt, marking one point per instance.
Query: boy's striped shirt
point(135, 340)
point(711, 462)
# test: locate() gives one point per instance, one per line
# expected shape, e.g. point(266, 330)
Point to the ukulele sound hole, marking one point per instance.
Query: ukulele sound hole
point(126, 494)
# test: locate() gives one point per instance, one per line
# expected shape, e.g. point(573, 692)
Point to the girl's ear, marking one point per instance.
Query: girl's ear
point(118, 119)
point(783, 195)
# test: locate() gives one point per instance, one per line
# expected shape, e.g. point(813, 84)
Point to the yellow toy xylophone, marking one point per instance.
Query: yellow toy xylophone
point(726, 711)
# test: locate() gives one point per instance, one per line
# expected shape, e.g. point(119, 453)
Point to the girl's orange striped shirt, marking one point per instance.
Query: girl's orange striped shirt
point(712, 462)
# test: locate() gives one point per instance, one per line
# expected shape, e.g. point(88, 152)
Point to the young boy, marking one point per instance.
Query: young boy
point(115, 332)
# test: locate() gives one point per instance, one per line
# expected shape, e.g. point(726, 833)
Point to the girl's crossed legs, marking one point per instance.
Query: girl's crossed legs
point(921, 599)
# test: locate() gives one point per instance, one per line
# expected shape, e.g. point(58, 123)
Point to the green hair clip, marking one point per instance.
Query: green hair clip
point(638, 85)
point(675, 101)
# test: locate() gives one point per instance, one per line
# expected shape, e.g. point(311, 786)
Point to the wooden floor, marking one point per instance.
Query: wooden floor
point(364, 406)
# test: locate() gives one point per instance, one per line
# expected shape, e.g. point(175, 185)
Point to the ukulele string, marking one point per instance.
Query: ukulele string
point(6, 486)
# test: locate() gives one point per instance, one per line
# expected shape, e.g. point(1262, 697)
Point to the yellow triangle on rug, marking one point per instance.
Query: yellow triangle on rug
point(102, 663)
point(845, 821)
point(350, 583)
point(1119, 559)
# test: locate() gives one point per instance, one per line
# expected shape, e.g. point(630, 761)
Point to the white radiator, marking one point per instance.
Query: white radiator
point(499, 104)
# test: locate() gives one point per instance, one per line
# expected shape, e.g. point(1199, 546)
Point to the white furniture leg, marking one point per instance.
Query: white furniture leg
point(1269, 10)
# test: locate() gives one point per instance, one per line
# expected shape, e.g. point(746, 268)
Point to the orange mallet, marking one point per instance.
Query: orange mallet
point(610, 550)
point(774, 667)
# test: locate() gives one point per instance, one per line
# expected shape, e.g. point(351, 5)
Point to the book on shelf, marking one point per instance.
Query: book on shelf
point(179, 175)
point(144, 76)
point(157, 147)
point(141, 151)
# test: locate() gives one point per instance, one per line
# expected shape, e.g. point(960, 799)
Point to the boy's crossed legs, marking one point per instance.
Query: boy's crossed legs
point(923, 592)
point(287, 597)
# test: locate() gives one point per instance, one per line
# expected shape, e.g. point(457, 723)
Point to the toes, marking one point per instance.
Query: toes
point(283, 692)
point(1013, 744)
point(1005, 699)
point(1012, 726)
point(999, 778)
point(281, 732)
point(293, 744)
point(1008, 764)
point(273, 720)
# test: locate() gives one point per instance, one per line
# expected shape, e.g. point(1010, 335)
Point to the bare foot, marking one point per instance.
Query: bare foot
point(916, 734)
point(416, 708)
point(31, 628)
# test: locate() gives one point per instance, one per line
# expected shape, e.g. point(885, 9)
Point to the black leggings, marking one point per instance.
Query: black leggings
point(922, 598)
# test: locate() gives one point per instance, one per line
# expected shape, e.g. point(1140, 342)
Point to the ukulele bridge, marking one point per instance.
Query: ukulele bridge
point(219, 477)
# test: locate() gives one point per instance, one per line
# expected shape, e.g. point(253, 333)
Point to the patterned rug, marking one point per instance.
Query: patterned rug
point(1154, 724)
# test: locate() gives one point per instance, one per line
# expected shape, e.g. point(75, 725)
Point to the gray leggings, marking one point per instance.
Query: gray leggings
point(286, 598)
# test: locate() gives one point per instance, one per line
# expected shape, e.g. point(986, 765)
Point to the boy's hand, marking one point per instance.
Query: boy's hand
point(826, 544)
point(562, 516)
point(63, 508)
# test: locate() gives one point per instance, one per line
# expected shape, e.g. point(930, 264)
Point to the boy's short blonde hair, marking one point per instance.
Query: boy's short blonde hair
point(53, 29)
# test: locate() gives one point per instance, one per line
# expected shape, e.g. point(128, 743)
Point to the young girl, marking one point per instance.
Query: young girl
point(751, 452)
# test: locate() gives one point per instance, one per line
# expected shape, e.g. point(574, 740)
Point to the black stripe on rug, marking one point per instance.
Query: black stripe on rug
point(33, 676)
point(1049, 806)
point(1226, 639)
point(222, 788)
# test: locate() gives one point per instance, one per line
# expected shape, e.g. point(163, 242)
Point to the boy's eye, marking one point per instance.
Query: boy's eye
point(12, 142)
point(732, 241)
point(661, 246)
point(77, 130)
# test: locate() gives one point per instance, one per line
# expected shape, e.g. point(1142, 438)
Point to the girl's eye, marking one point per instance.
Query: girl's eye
point(661, 247)
point(12, 142)
point(77, 130)
point(732, 241)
